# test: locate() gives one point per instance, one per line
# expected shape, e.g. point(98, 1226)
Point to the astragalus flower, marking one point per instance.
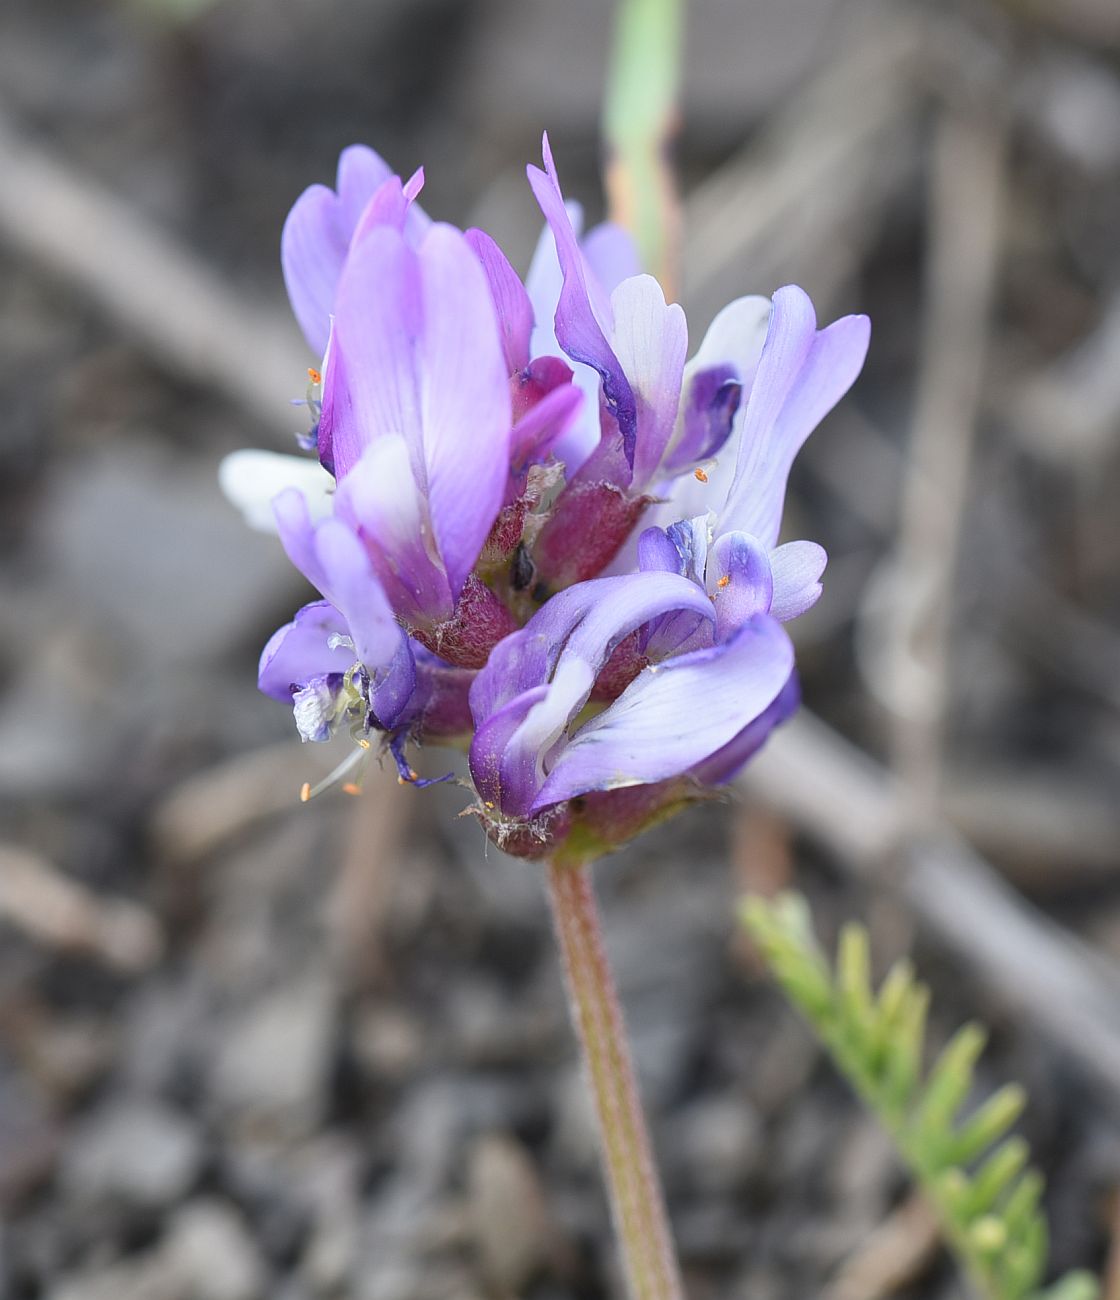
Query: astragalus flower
point(536, 526)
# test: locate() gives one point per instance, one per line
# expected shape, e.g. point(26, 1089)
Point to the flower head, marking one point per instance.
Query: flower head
point(539, 528)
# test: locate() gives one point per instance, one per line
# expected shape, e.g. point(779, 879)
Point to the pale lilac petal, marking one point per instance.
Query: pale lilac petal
point(611, 254)
point(797, 569)
point(674, 715)
point(650, 340)
point(301, 650)
point(361, 170)
point(354, 589)
point(312, 251)
point(726, 763)
point(731, 347)
point(514, 310)
point(465, 401)
point(296, 529)
point(801, 376)
point(739, 581)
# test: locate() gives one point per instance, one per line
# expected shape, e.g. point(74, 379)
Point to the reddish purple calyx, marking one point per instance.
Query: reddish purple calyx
point(479, 622)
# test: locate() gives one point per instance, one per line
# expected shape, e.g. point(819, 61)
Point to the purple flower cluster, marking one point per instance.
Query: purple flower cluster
point(537, 527)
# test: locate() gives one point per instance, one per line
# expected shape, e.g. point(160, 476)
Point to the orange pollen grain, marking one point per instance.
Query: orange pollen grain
point(351, 788)
point(305, 792)
point(724, 581)
point(314, 375)
point(699, 474)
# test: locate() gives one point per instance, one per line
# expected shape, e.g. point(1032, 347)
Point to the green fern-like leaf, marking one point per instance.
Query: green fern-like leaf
point(975, 1174)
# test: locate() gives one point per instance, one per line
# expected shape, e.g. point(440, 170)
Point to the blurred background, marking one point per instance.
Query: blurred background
point(250, 1048)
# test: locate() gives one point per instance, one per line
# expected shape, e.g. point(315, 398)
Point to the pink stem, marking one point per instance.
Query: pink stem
point(637, 1204)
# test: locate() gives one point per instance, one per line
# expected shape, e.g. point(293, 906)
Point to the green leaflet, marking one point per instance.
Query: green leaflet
point(976, 1176)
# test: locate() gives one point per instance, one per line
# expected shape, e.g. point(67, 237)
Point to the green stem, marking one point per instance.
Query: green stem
point(637, 1204)
point(639, 121)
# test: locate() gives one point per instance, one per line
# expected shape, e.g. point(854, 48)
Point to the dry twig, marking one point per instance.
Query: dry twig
point(61, 913)
point(168, 300)
point(1057, 983)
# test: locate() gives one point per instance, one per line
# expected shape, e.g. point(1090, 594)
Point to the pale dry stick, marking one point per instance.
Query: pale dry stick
point(63, 914)
point(158, 293)
point(967, 183)
point(1055, 982)
point(802, 201)
point(892, 1257)
point(203, 813)
point(1072, 408)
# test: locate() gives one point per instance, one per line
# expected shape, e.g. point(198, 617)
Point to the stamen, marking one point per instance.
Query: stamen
point(355, 759)
point(699, 475)
point(351, 788)
point(314, 375)
point(725, 581)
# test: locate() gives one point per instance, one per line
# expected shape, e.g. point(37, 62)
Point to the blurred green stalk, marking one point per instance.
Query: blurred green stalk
point(640, 117)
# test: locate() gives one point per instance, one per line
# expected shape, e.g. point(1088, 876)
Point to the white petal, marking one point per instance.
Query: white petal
point(251, 479)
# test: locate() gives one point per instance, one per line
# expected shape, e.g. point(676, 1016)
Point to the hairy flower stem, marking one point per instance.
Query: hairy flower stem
point(637, 1204)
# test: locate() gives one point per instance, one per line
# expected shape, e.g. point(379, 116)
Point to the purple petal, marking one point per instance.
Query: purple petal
point(801, 376)
point(380, 501)
point(707, 412)
point(656, 553)
point(465, 401)
point(797, 568)
point(511, 302)
point(682, 549)
point(332, 559)
point(393, 688)
point(537, 431)
point(491, 738)
point(321, 226)
point(565, 645)
point(353, 587)
point(299, 651)
point(674, 715)
point(739, 581)
point(650, 340)
point(369, 379)
point(297, 535)
point(416, 353)
point(580, 321)
point(316, 238)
